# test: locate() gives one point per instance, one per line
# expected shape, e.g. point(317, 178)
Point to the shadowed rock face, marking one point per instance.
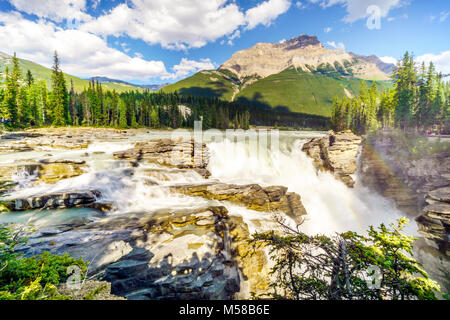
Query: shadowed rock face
point(187, 254)
point(337, 153)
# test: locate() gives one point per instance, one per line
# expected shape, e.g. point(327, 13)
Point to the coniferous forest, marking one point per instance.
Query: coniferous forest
point(26, 101)
point(418, 101)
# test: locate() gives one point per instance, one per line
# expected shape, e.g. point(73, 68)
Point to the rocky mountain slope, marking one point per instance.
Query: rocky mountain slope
point(300, 75)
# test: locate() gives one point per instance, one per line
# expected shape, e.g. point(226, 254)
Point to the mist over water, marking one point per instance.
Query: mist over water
point(332, 207)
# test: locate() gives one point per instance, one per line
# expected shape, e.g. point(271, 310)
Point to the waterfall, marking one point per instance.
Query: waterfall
point(331, 205)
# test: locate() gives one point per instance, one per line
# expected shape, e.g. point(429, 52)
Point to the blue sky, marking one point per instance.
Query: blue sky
point(156, 41)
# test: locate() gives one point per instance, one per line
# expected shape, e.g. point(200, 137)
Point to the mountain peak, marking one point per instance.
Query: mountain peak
point(301, 41)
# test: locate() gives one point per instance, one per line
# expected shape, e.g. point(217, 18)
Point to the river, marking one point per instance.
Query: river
point(331, 206)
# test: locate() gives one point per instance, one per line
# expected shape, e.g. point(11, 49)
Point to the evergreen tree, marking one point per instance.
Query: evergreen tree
point(59, 94)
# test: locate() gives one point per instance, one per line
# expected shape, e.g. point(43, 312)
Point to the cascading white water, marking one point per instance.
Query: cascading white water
point(331, 205)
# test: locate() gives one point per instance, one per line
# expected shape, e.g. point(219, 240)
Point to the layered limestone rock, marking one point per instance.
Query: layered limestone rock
point(47, 171)
point(252, 196)
point(54, 170)
point(337, 152)
point(303, 52)
point(180, 153)
point(59, 200)
point(434, 223)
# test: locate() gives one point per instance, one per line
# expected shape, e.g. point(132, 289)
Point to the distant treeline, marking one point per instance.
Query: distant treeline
point(419, 101)
point(26, 101)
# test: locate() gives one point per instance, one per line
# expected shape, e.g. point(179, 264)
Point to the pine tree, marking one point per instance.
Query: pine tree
point(122, 114)
point(59, 94)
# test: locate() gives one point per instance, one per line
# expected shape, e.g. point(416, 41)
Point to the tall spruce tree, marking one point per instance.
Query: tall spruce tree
point(59, 94)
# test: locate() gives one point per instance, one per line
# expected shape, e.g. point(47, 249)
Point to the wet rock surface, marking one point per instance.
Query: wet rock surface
point(58, 200)
point(337, 153)
point(165, 255)
point(181, 153)
point(253, 196)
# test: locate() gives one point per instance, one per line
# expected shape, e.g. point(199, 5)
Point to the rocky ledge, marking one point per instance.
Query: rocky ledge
point(199, 253)
point(252, 196)
point(47, 170)
point(171, 153)
point(59, 200)
point(434, 223)
point(337, 153)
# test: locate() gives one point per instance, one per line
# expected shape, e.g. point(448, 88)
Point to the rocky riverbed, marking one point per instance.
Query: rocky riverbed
point(158, 220)
point(191, 244)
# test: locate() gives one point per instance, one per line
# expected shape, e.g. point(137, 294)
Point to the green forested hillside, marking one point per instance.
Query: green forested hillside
point(206, 84)
point(300, 91)
point(290, 90)
point(41, 72)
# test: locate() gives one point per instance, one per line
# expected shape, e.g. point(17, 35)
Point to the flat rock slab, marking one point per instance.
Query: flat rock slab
point(441, 194)
point(58, 200)
point(252, 196)
point(181, 153)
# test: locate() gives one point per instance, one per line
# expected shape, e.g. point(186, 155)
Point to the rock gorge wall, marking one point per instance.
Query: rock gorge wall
point(418, 185)
point(337, 153)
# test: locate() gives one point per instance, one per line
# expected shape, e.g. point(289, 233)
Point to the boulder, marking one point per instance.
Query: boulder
point(337, 153)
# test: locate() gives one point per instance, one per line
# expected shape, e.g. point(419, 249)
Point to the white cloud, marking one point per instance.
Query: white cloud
point(388, 59)
point(175, 24)
point(300, 5)
point(266, 12)
point(57, 10)
point(334, 45)
point(187, 66)
point(181, 24)
point(443, 16)
point(328, 29)
point(441, 61)
point(357, 9)
point(82, 54)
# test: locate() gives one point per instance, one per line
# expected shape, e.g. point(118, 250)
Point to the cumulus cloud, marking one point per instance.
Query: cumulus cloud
point(334, 45)
point(181, 24)
point(187, 66)
point(57, 10)
point(388, 59)
point(83, 45)
point(81, 53)
point(266, 12)
point(441, 61)
point(357, 9)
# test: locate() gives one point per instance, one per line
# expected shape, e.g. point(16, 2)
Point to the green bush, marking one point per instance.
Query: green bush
point(31, 278)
